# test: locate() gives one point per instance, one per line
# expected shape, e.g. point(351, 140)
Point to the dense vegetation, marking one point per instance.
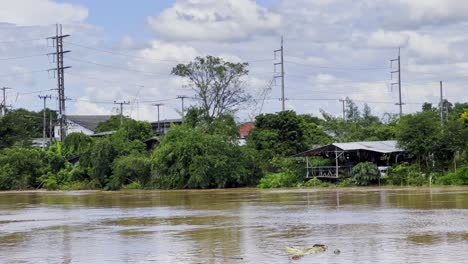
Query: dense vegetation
point(204, 151)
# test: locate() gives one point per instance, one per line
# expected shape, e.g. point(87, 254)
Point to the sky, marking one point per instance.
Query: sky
point(333, 49)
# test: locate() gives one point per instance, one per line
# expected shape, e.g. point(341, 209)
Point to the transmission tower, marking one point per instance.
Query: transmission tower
point(60, 70)
point(400, 103)
point(281, 75)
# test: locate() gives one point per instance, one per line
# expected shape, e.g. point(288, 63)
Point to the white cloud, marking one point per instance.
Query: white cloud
point(387, 39)
point(40, 12)
point(214, 20)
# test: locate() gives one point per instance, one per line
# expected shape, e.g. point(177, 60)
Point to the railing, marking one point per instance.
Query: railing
point(328, 172)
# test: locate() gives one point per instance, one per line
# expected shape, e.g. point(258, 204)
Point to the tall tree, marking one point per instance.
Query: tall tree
point(218, 84)
point(418, 134)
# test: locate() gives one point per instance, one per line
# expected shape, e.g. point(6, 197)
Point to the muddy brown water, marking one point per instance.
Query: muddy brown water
point(399, 225)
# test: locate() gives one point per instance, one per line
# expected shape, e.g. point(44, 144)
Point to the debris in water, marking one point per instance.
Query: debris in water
point(299, 252)
point(337, 251)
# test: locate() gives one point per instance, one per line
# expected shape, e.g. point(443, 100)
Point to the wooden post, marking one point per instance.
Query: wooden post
point(336, 162)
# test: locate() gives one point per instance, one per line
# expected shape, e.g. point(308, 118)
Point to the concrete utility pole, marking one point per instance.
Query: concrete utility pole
point(344, 111)
point(441, 105)
point(400, 103)
point(182, 97)
point(60, 70)
point(121, 109)
point(159, 126)
point(51, 127)
point(4, 105)
point(44, 121)
point(281, 50)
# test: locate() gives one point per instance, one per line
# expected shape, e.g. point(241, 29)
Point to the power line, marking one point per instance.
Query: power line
point(120, 68)
point(337, 68)
point(21, 73)
point(22, 40)
point(144, 58)
point(22, 57)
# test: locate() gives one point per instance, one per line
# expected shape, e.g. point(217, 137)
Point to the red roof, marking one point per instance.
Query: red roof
point(245, 128)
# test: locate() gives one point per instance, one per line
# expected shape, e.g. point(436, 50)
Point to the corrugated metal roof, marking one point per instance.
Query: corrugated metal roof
point(389, 146)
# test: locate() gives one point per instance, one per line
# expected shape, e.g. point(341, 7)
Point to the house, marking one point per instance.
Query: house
point(345, 156)
point(160, 128)
point(244, 130)
point(85, 124)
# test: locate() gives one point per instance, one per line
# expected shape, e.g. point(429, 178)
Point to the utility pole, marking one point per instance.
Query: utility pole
point(281, 50)
point(441, 105)
point(51, 127)
point(60, 70)
point(344, 111)
point(121, 109)
point(4, 105)
point(182, 97)
point(400, 103)
point(44, 121)
point(159, 126)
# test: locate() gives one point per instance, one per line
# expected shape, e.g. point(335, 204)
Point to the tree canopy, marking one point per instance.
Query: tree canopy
point(218, 84)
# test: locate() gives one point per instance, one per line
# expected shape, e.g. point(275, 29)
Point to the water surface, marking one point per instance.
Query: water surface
point(417, 225)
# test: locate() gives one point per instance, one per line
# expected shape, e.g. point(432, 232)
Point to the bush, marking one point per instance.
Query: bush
point(279, 180)
point(365, 173)
point(21, 168)
point(460, 177)
point(347, 182)
point(405, 174)
point(130, 169)
point(317, 183)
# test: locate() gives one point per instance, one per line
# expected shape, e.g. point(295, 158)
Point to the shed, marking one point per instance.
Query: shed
point(347, 155)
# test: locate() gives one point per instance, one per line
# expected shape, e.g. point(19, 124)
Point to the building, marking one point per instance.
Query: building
point(160, 128)
point(244, 130)
point(85, 124)
point(345, 156)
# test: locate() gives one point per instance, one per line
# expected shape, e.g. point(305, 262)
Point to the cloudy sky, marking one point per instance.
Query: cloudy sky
point(125, 50)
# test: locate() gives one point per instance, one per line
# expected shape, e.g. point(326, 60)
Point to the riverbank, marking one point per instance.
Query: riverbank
point(250, 189)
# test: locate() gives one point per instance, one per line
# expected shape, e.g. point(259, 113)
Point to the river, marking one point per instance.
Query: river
point(367, 225)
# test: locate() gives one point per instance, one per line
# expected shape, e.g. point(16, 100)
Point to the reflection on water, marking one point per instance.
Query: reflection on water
point(417, 225)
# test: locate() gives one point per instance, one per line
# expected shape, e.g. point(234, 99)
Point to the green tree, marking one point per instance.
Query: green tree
point(21, 168)
point(218, 84)
point(101, 157)
point(76, 144)
point(112, 124)
point(19, 127)
point(418, 134)
point(278, 134)
point(191, 158)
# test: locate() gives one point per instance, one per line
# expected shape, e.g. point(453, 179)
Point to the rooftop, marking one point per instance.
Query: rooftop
point(389, 146)
point(88, 121)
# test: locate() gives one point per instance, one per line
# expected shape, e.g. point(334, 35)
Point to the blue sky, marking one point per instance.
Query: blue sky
point(125, 50)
